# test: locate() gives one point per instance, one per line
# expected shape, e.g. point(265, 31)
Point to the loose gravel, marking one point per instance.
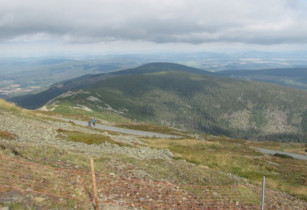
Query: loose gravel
point(44, 132)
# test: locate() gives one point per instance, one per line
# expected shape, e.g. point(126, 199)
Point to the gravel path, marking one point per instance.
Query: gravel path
point(124, 130)
point(272, 152)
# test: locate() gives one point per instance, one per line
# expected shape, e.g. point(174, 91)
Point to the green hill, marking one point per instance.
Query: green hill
point(194, 100)
point(33, 101)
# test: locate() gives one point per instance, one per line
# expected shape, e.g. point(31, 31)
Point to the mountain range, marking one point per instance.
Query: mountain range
point(184, 97)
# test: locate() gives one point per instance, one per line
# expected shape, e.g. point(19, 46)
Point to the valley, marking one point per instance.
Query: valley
point(20, 76)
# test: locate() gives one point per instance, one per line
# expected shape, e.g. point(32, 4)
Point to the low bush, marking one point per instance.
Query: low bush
point(282, 155)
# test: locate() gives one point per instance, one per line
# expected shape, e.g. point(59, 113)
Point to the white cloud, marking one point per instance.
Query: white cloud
point(69, 22)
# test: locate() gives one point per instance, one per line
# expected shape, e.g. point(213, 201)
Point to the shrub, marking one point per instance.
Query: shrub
point(282, 155)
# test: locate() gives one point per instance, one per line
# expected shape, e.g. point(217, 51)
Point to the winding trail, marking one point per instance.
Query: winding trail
point(123, 130)
point(272, 152)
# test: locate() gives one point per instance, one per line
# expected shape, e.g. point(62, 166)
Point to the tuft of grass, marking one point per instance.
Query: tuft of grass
point(8, 106)
point(86, 138)
point(11, 107)
point(16, 206)
point(8, 135)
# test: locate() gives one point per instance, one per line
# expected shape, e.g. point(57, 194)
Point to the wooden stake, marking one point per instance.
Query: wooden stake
point(263, 193)
point(94, 184)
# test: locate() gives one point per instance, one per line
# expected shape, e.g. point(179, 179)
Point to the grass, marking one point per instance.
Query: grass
point(16, 206)
point(86, 138)
point(181, 172)
point(9, 106)
point(46, 155)
point(178, 172)
point(237, 158)
point(152, 128)
point(24, 113)
point(8, 135)
point(42, 179)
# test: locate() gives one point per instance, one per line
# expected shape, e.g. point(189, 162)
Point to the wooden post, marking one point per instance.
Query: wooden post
point(263, 193)
point(94, 184)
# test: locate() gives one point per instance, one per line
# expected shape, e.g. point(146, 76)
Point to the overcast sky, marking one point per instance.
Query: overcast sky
point(43, 27)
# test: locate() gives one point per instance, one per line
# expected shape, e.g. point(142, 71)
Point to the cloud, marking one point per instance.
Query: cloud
point(169, 21)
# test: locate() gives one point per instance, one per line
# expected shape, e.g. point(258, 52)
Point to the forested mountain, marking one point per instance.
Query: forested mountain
point(33, 101)
point(191, 99)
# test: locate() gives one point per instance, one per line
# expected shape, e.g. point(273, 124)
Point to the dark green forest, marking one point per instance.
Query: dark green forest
point(205, 104)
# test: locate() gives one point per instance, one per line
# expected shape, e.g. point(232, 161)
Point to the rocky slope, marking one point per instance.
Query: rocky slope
point(40, 159)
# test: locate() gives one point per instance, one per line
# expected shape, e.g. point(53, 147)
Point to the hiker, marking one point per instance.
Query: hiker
point(89, 123)
point(94, 121)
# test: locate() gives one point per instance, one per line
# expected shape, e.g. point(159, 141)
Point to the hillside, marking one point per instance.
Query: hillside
point(186, 98)
point(47, 167)
point(293, 77)
point(33, 101)
point(198, 102)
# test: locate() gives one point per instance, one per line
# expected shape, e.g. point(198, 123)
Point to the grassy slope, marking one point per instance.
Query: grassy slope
point(202, 103)
point(206, 162)
point(236, 157)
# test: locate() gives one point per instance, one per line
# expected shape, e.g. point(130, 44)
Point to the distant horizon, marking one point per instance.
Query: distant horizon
point(209, 61)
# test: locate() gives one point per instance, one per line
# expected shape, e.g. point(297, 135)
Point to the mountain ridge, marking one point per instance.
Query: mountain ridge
point(34, 101)
point(187, 98)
